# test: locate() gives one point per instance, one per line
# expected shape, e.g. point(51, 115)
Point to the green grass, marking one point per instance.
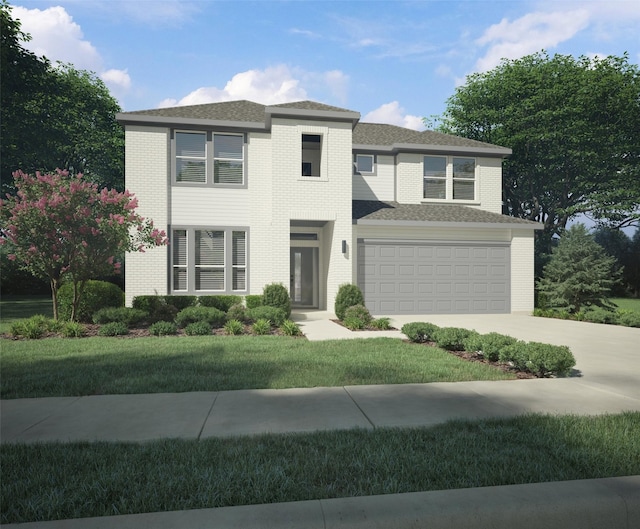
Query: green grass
point(14, 308)
point(57, 367)
point(627, 303)
point(58, 481)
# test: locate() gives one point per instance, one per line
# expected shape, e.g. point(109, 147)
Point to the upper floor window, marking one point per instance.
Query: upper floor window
point(195, 165)
point(365, 163)
point(449, 178)
point(311, 155)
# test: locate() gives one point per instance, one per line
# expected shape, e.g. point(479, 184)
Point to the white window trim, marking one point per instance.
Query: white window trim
point(449, 181)
point(176, 157)
point(374, 166)
point(228, 260)
point(209, 159)
point(323, 132)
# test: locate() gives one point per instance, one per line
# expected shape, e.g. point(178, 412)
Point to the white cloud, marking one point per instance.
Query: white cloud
point(56, 36)
point(393, 114)
point(273, 85)
point(529, 34)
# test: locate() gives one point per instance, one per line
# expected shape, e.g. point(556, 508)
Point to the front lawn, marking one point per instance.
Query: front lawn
point(58, 367)
point(14, 308)
point(627, 303)
point(58, 481)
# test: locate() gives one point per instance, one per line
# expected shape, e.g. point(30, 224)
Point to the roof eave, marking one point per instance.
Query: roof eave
point(322, 115)
point(435, 149)
point(143, 119)
point(445, 224)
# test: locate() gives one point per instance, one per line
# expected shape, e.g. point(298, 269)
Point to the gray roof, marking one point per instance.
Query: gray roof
point(254, 116)
point(377, 212)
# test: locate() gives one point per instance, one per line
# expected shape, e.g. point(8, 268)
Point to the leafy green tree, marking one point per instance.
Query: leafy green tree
point(54, 115)
point(579, 272)
point(574, 128)
point(59, 226)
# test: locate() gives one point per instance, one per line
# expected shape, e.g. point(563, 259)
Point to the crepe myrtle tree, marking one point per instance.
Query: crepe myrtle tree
point(62, 227)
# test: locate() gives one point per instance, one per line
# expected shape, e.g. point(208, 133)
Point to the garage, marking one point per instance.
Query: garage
point(434, 277)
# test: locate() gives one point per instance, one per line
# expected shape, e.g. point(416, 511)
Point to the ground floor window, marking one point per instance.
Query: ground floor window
point(209, 260)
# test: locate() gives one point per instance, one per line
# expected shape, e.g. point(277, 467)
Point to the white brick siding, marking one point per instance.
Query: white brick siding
point(522, 271)
point(381, 185)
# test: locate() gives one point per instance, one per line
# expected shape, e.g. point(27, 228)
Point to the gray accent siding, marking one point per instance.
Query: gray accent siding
point(429, 277)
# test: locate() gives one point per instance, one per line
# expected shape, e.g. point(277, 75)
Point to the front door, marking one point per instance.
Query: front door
point(304, 277)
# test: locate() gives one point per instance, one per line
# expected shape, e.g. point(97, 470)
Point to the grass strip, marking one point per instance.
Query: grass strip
point(58, 367)
point(60, 481)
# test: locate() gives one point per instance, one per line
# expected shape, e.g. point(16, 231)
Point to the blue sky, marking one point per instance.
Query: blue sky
point(392, 61)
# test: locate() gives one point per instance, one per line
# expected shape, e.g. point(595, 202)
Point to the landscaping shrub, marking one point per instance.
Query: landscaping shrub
point(253, 300)
point(114, 328)
point(276, 295)
point(34, 327)
point(233, 327)
point(261, 326)
point(96, 295)
point(237, 312)
point(382, 324)
point(353, 323)
point(198, 328)
point(148, 304)
point(181, 302)
point(544, 359)
point(515, 354)
point(290, 328)
point(127, 315)
point(273, 314)
point(360, 312)
point(348, 295)
point(419, 331)
point(599, 315)
point(628, 318)
point(73, 329)
point(451, 338)
point(163, 312)
point(212, 316)
point(163, 328)
point(220, 302)
point(492, 344)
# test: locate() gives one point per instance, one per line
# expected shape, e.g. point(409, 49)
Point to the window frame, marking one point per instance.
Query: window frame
point(374, 166)
point(177, 157)
point(450, 179)
point(210, 159)
point(228, 255)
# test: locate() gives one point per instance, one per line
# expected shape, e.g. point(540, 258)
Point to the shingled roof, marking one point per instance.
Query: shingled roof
point(374, 211)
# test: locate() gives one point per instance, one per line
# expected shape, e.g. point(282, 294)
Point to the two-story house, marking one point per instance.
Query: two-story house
point(305, 195)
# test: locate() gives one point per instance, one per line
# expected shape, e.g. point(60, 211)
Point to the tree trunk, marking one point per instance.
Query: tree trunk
point(54, 297)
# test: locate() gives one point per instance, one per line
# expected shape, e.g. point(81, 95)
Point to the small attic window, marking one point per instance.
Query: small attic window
point(311, 155)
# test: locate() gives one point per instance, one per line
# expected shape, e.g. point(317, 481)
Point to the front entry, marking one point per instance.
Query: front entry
point(304, 276)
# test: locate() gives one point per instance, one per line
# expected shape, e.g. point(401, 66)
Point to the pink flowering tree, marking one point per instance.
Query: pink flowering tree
point(61, 227)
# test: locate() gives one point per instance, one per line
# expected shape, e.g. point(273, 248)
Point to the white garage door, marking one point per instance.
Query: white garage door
point(426, 277)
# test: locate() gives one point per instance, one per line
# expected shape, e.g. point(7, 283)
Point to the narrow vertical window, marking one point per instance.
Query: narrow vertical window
point(228, 159)
point(179, 249)
point(311, 155)
point(435, 177)
point(191, 157)
point(464, 173)
point(239, 260)
point(209, 260)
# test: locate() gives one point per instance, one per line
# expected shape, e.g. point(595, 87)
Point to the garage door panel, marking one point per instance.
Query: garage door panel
point(430, 277)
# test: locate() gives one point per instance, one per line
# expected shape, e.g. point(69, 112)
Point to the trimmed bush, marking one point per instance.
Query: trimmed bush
point(253, 300)
point(221, 302)
point(163, 328)
point(348, 295)
point(125, 315)
point(212, 316)
point(35, 327)
point(290, 328)
point(451, 338)
point(233, 327)
point(600, 315)
point(273, 314)
point(543, 359)
point(493, 343)
point(163, 312)
point(382, 324)
point(261, 327)
point(73, 329)
point(358, 311)
point(353, 323)
point(148, 304)
point(198, 328)
point(96, 295)
point(419, 332)
point(514, 354)
point(114, 328)
point(181, 302)
point(237, 312)
point(276, 295)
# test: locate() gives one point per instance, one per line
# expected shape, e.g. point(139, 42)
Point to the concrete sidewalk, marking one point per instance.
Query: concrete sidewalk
point(607, 381)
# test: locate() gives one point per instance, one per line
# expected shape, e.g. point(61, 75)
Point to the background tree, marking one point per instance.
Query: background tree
point(579, 272)
point(60, 226)
point(574, 128)
point(54, 115)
